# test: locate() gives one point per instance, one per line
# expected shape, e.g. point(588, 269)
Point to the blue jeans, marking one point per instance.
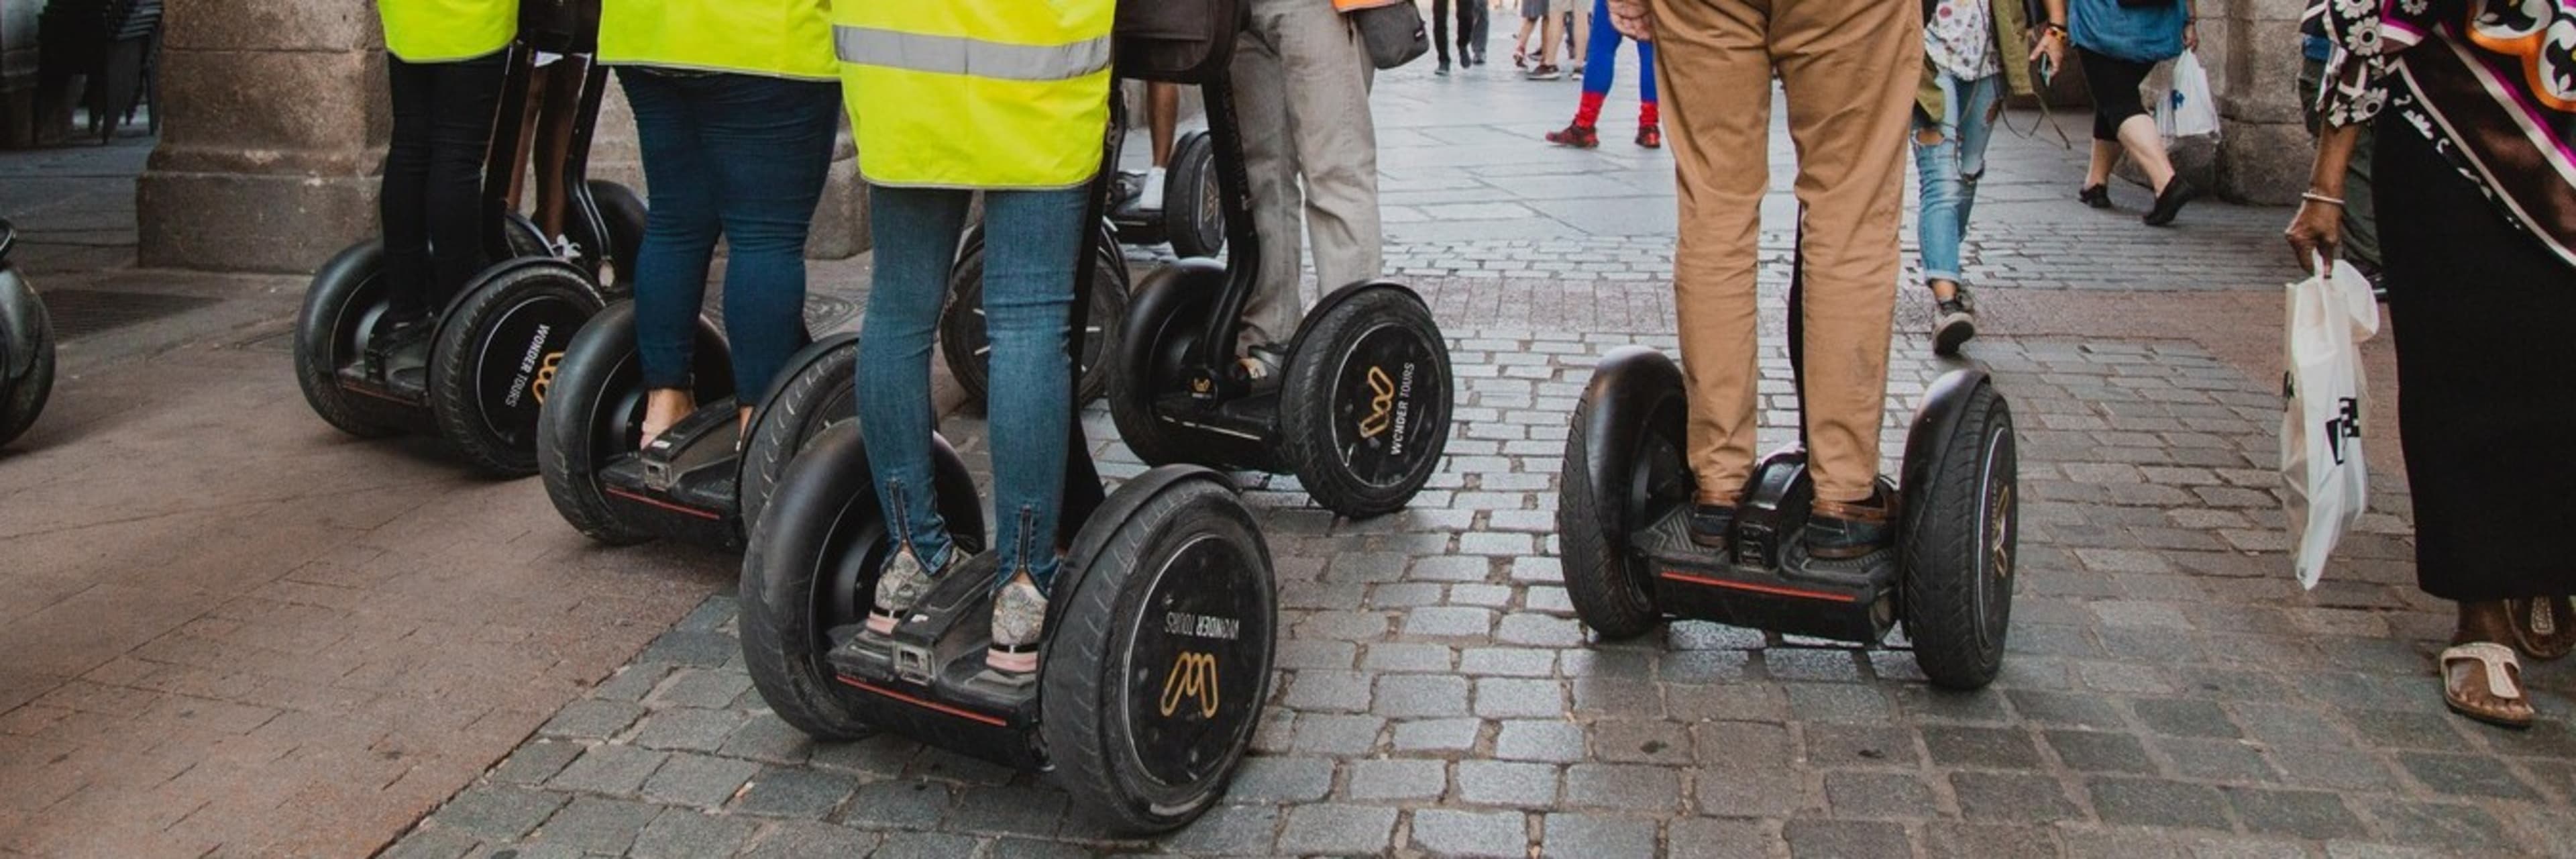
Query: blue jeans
point(1949, 169)
point(1031, 241)
point(742, 157)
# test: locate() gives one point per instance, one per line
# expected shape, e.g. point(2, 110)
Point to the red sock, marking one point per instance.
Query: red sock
point(1588, 113)
point(1646, 114)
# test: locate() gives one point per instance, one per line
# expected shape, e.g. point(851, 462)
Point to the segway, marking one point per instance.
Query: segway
point(26, 347)
point(474, 381)
point(1192, 214)
point(1161, 623)
point(968, 353)
point(706, 478)
point(1627, 491)
point(1359, 411)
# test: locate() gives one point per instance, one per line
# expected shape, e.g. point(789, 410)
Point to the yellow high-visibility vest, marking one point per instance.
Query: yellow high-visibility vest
point(1002, 94)
point(777, 38)
point(434, 31)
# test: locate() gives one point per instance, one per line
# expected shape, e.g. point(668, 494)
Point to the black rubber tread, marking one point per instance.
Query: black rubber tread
point(451, 393)
point(1079, 690)
point(523, 237)
point(791, 420)
point(23, 400)
point(1135, 376)
point(783, 642)
point(624, 211)
point(1942, 548)
point(567, 426)
point(317, 337)
point(1603, 578)
point(966, 293)
point(1184, 205)
point(1305, 429)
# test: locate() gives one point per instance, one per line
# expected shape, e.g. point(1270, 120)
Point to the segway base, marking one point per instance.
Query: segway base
point(684, 484)
point(934, 662)
point(1841, 600)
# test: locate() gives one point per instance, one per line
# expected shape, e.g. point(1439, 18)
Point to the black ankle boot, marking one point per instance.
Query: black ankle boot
point(1711, 525)
point(1839, 531)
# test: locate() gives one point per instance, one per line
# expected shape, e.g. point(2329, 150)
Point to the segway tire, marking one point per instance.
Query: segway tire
point(335, 307)
point(1627, 430)
point(1165, 318)
point(1961, 524)
point(594, 411)
point(1362, 450)
point(819, 391)
point(21, 401)
point(483, 379)
point(1193, 204)
point(624, 211)
point(963, 343)
point(810, 566)
point(1144, 733)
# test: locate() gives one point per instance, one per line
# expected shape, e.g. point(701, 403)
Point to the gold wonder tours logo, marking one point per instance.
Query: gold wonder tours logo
point(1193, 677)
point(545, 377)
point(1390, 407)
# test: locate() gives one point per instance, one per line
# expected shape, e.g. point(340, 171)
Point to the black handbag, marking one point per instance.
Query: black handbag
point(1393, 33)
point(1176, 41)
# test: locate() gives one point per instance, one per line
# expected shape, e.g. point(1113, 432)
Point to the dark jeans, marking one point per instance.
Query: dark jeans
point(434, 178)
point(1471, 29)
point(737, 156)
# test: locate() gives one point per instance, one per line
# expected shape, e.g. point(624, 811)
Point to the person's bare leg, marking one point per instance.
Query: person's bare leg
point(2146, 146)
point(1520, 43)
point(1547, 41)
point(1162, 113)
point(2106, 155)
point(664, 407)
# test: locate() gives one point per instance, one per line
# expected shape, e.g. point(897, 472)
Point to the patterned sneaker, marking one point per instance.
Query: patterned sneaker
point(902, 585)
point(1954, 320)
point(1650, 136)
point(1019, 620)
point(1578, 135)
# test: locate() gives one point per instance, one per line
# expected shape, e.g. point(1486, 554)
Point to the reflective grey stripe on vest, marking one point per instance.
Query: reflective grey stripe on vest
point(955, 55)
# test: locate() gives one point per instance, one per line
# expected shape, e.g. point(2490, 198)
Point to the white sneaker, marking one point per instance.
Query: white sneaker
point(1151, 198)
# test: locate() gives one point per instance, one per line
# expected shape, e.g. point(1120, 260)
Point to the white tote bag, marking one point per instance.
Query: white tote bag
point(2188, 110)
point(2328, 317)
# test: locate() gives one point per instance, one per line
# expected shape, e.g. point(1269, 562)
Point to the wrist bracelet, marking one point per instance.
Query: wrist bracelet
point(2314, 197)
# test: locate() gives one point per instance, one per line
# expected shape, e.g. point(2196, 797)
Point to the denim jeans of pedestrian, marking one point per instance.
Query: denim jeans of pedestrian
point(1031, 241)
point(736, 156)
point(1949, 158)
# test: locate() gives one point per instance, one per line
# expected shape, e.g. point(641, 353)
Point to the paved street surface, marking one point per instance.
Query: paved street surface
point(235, 632)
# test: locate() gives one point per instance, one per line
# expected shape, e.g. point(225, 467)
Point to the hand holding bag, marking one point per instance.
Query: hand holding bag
point(2188, 110)
point(2329, 316)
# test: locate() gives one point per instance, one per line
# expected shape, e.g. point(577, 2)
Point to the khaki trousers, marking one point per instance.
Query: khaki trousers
point(1301, 88)
point(1849, 69)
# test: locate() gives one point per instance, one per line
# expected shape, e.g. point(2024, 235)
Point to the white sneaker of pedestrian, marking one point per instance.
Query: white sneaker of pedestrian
point(1150, 199)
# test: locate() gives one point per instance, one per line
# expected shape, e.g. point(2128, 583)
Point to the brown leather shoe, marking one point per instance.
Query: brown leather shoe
point(1838, 531)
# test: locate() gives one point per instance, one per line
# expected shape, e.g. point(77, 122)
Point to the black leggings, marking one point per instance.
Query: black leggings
point(2114, 85)
point(443, 116)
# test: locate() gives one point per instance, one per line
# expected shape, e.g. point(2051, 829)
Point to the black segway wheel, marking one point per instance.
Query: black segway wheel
point(25, 383)
point(968, 351)
point(1365, 404)
point(1623, 467)
point(1193, 205)
point(1158, 658)
point(511, 325)
point(624, 212)
point(810, 569)
point(523, 237)
point(1165, 319)
point(818, 390)
point(1960, 529)
point(593, 411)
point(331, 329)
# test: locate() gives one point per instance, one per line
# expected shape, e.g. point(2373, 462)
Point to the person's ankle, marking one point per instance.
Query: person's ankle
point(1943, 289)
point(2484, 620)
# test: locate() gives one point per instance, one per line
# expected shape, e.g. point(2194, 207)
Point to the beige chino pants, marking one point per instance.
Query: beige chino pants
point(1849, 70)
point(1301, 87)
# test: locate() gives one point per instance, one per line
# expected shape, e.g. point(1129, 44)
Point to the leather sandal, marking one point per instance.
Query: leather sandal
point(2544, 628)
point(2493, 693)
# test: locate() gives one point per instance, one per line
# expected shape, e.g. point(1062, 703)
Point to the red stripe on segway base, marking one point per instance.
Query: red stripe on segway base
point(1774, 590)
point(691, 511)
point(918, 702)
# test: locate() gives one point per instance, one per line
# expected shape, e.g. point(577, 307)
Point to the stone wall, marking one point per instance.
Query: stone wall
point(274, 133)
point(2254, 55)
point(17, 72)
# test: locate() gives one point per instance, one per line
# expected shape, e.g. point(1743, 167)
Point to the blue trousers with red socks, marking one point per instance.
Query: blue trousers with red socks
point(1601, 66)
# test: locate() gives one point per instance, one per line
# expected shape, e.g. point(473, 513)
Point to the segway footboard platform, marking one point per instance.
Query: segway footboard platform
point(1768, 581)
point(929, 681)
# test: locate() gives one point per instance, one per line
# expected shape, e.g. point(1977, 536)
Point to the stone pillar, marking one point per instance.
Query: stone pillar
point(2252, 48)
point(274, 135)
point(17, 73)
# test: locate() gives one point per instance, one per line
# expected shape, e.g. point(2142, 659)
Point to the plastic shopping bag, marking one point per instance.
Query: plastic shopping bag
point(2188, 110)
point(2329, 316)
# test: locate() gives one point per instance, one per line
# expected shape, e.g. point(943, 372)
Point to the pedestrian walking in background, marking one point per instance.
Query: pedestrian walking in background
point(2479, 242)
point(1973, 50)
point(1601, 69)
point(1575, 17)
point(2360, 230)
point(1471, 26)
point(1531, 12)
point(2120, 44)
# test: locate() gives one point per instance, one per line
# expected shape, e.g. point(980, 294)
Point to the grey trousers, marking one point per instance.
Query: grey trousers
point(1301, 85)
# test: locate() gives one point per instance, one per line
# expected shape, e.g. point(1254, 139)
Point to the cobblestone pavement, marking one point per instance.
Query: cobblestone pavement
point(236, 633)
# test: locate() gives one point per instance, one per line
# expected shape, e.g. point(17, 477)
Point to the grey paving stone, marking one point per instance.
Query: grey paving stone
point(1015, 809)
point(1421, 696)
point(1642, 742)
point(1986, 839)
point(2185, 717)
point(597, 825)
point(1705, 838)
point(690, 648)
point(1507, 783)
point(2336, 769)
point(2157, 802)
point(2215, 760)
point(1446, 832)
point(1848, 745)
point(698, 780)
point(698, 687)
point(2465, 775)
point(1834, 839)
point(795, 792)
point(2313, 815)
point(1982, 748)
point(924, 845)
point(1747, 793)
point(1505, 698)
point(1338, 829)
point(1328, 690)
point(592, 719)
point(502, 813)
point(609, 769)
point(1398, 779)
point(767, 739)
point(688, 729)
point(1616, 697)
point(1626, 787)
point(430, 844)
point(1506, 662)
point(2098, 751)
point(1436, 735)
point(1848, 703)
point(1879, 795)
point(535, 762)
point(1405, 656)
point(1267, 779)
point(1337, 735)
point(2014, 797)
point(1549, 741)
point(1030, 848)
point(1533, 630)
point(2449, 827)
point(880, 755)
point(681, 833)
point(1812, 664)
point(1449, 622)
point(904, 804)
point(1590, 835)
point(1230, 830)
point(1933, 703)
point(795, 839)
